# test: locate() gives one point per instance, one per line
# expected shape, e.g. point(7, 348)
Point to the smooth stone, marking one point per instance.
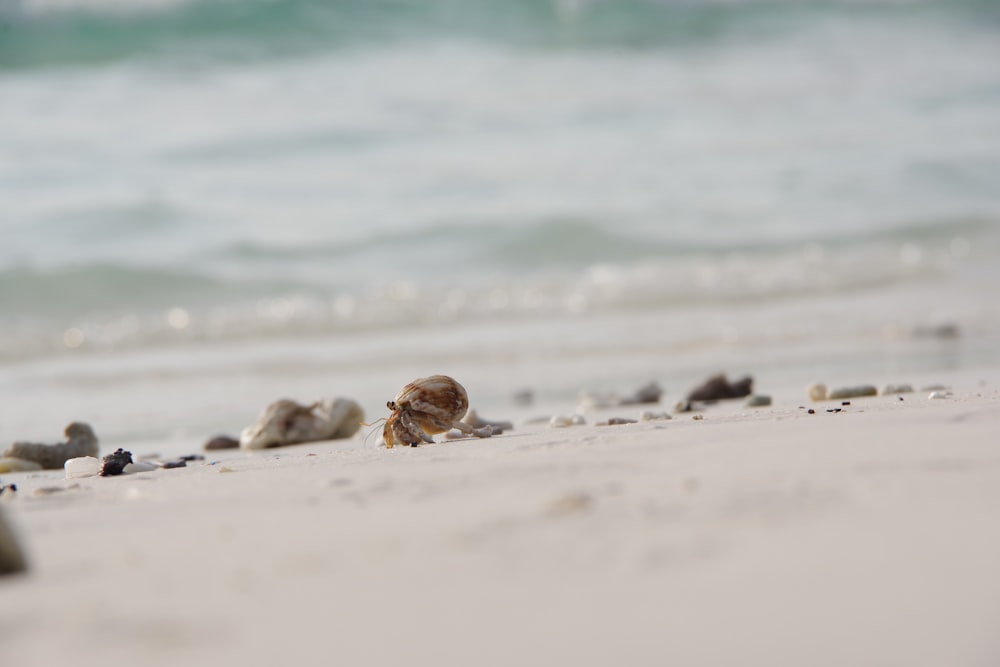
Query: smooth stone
point(11, 558)
point(817, 391)
point(758, 401)
point(853, 392)
point(82, 466)
point(891, 389)
point(222, 442)
point(13, 464)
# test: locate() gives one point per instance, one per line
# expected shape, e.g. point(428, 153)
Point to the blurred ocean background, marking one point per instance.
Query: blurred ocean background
point(208, 204)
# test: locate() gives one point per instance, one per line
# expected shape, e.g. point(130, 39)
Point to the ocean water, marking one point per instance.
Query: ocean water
point(205, 204)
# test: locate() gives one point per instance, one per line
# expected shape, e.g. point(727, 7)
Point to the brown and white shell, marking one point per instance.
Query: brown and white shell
point(427, 406)
point(435, 402)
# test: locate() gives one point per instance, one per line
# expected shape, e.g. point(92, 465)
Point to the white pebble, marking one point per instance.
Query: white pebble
point(82, 466)
point(938, 394)
point(562, 421)
point(817, 392)
point(649, 416)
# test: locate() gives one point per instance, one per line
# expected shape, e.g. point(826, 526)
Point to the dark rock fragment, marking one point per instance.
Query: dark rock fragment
point(718, 388)
point(114, 464)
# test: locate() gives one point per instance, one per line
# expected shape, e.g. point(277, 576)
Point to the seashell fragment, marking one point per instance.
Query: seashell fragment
point(649, 416)
point(475, 421)
point(13, 464)
point(427, 406)
point(286, 422)
point(80, 441)
point(82, 466)
point(11, 558)
point(562, 421)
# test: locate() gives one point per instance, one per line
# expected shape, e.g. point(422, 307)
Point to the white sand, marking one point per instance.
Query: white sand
point(751, 537)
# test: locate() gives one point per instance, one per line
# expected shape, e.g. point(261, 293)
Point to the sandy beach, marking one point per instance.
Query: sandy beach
point(748, 536)
point(212, 206)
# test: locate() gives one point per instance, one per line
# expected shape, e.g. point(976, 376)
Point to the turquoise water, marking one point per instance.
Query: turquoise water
point(174, 171)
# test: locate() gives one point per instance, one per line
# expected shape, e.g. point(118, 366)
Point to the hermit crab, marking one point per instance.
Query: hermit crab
point(426, 406)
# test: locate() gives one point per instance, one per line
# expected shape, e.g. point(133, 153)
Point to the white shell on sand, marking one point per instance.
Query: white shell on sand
point(286, 422)
point(939, 394)
point(82, 466)
point(562, 421)
point(853, 392)
point(13, 464)
point(817, 392)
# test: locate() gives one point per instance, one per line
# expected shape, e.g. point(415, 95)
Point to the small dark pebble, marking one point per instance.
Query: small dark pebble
point(114, 464)
point(845, 402)
point(192, 457)
point(834, 410)
point(900, 398)
point(222, 442)
point(8, 488)
point(811, 411)
point(179, 463)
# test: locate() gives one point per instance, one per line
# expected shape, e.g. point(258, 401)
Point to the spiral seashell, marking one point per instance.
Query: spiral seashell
point(427, 406)
point(434, 402)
